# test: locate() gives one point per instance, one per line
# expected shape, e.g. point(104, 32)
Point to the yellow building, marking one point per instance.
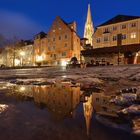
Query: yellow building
point(106, 33)
point(59, 45)
point(117, 41)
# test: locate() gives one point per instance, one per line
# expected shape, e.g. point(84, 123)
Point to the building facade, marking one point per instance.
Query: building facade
point(59, 45)
point(108, 47)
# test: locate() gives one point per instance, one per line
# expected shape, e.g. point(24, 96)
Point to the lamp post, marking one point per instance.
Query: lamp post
point(119, 43)
point(22, 54)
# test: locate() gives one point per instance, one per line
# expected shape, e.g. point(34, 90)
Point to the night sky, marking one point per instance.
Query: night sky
point(24, 18)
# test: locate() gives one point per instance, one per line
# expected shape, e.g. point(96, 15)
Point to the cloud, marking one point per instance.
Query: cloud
point(15, 24)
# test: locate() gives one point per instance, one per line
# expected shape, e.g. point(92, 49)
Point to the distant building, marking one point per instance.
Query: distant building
point(108, 47)
point(19, 54)
point(89, 29)
point(59, 45)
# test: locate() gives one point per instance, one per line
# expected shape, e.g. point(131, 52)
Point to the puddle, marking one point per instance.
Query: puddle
point(50, 110)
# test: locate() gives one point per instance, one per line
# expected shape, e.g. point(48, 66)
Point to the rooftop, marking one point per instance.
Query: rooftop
point(119, 18)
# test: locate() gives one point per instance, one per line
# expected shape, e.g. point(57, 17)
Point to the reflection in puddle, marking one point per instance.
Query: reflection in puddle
point(3, 107)
point(61, 100)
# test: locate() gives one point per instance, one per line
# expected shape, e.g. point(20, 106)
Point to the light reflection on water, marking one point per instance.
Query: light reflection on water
point(63, 99)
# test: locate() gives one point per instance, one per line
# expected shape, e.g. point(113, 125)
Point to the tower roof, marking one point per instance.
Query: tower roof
point(89, 19)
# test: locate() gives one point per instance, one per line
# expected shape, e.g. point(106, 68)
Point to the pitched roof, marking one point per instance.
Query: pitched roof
point(40, 35)
point(119, 18)
point(67, 24)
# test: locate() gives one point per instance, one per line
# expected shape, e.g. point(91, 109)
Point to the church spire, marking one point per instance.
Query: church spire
point(89, 19)
point(89, 29)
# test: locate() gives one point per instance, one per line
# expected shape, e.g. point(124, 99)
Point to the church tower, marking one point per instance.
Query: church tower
point(89, 29)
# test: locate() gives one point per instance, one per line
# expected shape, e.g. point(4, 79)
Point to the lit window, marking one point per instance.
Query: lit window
point(133, 25)
point(133, 35)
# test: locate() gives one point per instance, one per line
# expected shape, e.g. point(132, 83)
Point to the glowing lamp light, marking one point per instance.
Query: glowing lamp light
point(63, 63)
point(22, 53)
point(3, 107)
point(17, 62)
point(39, 58)
point(22, 88)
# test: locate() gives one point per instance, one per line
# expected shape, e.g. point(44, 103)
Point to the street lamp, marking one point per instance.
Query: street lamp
point(22, 54)
point(119, 44)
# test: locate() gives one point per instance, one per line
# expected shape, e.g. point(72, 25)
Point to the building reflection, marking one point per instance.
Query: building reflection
point(88, 109)
point(103, 106)
point(60, 99)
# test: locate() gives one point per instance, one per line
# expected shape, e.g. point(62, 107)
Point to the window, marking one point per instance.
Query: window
point(133, 25)
point(63, 53)
point(59, 37)
point(53, 39)
point(123, 26)
point(98, 40)
point(124, 36)
point(53, 47)
point(115, 28)
point(114, 38)
point(106, 30)
point(133, 35)
point(106, 38)
point(66, 36)
point(65, 45)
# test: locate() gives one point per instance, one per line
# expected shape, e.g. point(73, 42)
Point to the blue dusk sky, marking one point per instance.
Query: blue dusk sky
point(24, 18)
